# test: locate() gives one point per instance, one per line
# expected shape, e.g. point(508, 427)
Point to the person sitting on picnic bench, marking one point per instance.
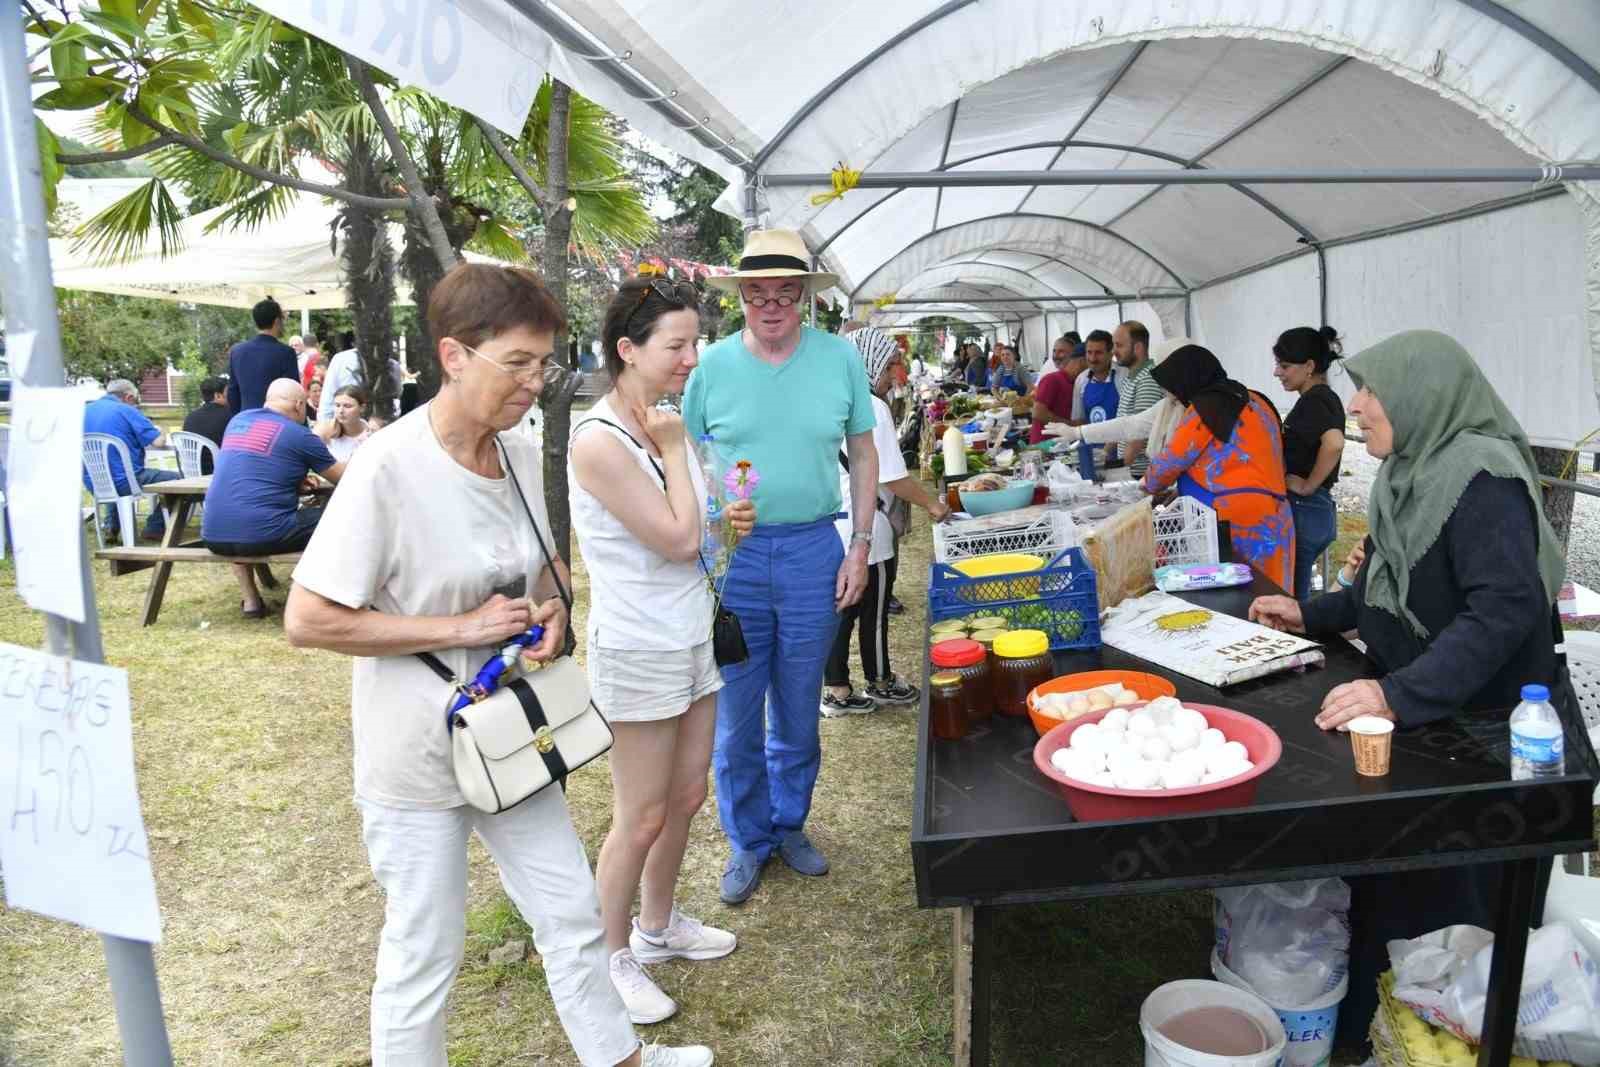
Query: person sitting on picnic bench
point(117, 414)
point(210, 419)
point(252, 504)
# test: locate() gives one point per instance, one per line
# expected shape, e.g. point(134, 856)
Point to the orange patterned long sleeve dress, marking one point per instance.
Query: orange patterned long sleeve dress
point(1243, 479)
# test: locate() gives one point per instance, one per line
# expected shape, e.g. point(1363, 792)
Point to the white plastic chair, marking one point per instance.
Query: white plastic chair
point(97, 450)
point(1583, 664)
point(190, 447)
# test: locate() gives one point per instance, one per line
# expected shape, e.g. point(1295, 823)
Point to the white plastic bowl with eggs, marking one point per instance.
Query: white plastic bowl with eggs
point(1162, 745)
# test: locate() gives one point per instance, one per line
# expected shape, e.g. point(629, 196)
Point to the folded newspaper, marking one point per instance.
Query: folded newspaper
point(1207, 646)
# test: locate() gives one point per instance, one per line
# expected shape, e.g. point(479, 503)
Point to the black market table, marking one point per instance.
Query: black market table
point(989, 830)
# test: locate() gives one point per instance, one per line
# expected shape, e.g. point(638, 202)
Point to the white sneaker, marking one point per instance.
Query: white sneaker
point(686, 1056)
point(645, 1001)
point(686, 938)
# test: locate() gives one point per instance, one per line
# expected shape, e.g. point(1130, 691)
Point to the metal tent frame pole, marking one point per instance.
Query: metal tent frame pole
point(996, 178)
point(30, 303)
point(1099, 298)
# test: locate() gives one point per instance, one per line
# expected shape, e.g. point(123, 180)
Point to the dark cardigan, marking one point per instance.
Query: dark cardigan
point(1477, 590)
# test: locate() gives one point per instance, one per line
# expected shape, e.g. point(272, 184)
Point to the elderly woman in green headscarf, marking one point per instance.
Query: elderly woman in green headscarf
point(1454, 601)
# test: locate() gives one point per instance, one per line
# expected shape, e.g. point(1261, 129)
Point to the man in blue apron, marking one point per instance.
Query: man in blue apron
point(1096, 391)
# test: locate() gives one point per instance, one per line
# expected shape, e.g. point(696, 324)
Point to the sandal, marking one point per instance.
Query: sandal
point(253, 613)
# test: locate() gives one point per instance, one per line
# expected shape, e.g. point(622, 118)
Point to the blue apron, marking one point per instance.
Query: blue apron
point(1100, 399)
point(1005, 379)
point(1100, 402)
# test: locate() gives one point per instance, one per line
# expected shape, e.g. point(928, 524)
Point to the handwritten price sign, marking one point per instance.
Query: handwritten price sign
point(72, 841)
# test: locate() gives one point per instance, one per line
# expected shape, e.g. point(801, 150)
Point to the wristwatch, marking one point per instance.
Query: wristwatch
point(863, 536)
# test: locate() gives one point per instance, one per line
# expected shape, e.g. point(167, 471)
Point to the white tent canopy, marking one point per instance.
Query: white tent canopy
point(291, 258)
point(958, 87)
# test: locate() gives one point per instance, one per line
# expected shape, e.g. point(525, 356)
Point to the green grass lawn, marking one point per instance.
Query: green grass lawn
point(271, 916)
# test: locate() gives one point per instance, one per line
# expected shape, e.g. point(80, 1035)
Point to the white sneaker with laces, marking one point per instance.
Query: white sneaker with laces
point(645, 1001)
point(686, 938)
point(684, 1056)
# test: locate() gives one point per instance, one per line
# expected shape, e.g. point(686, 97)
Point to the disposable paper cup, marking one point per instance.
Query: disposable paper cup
point(1370, 738)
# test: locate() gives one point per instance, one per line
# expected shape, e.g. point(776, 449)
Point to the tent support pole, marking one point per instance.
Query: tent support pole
point(1366, 176)
point(1322, 283)
point(30, 304)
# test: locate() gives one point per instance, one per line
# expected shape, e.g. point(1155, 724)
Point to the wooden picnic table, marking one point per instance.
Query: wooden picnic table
point(178, 500)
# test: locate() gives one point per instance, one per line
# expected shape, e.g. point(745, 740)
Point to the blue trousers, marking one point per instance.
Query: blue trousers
point(1316, 525)
point(768, 752)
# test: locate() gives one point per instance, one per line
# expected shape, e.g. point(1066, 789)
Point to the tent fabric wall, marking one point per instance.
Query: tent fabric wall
point(1511, 291)
point(1240, 320)
point(1509, 285)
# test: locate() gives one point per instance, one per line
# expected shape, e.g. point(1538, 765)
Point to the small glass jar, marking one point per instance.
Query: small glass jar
point(986, 638)
point(1022, 661)
point(947, 706)
point(968, 659)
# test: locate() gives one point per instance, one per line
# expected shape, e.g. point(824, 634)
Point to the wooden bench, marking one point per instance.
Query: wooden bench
point(162, 557)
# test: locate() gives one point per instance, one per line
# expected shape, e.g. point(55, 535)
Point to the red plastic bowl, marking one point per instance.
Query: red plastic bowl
point(1095, 803)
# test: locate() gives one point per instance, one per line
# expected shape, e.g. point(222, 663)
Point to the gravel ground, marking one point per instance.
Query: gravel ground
point(1583, 546)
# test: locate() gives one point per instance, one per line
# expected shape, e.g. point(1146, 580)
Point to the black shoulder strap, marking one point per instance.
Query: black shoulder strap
point(632, 440)
point(704, 567)
point(433, 662)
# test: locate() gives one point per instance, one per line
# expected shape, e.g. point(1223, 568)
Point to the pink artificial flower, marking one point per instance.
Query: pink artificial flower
point(741, 480)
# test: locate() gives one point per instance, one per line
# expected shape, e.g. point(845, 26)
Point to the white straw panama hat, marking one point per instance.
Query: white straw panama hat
point(774, 254)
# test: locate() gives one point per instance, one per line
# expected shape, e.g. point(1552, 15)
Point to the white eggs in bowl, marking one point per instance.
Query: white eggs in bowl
point(1161, 745)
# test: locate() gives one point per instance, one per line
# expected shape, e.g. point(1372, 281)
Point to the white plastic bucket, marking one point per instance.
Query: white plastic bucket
point(1309, 1029)
point(1174, 998)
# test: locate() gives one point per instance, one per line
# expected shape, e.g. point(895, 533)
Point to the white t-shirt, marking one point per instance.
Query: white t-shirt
point(344, 446)
point(638, 600)
point(891, 467)
point(412, 532)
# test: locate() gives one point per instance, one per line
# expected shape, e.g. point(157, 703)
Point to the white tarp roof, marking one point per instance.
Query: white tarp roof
point(290, 258)
point(922, 85)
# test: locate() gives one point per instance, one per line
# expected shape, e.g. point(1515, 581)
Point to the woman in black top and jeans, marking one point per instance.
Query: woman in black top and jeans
point(1313, 443)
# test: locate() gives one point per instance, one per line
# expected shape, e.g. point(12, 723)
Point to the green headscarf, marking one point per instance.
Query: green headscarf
point(1449, 425)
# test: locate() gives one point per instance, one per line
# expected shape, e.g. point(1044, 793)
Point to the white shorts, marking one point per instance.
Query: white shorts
point(636, 685)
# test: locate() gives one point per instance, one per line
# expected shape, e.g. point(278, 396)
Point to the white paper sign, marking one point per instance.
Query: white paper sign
point(44, 490)
point(72, 841)
point(479, 55)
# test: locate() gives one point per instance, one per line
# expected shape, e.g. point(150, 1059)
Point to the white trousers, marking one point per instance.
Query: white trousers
point(420, 860)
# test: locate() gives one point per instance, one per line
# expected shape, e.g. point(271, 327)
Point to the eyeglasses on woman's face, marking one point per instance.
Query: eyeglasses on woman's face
point(521, 366)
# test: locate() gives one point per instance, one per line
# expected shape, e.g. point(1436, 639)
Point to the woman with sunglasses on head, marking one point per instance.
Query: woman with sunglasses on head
point(1313, 443)
point(437, 543)
point(638, 495)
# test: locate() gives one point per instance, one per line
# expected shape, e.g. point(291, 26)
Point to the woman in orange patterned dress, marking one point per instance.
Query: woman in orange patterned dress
point(1227, 453)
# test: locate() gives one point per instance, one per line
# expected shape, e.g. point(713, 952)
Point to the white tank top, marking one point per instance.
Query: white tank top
point(638, 600)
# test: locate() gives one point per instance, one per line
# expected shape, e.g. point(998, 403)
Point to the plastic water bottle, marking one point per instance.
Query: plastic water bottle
point(1537, 748)
point(711, 541)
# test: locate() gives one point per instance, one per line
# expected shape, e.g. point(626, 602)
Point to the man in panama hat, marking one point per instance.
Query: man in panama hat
point(789, 399)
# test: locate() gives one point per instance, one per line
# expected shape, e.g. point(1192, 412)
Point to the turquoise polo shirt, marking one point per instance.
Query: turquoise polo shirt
point(789, 420)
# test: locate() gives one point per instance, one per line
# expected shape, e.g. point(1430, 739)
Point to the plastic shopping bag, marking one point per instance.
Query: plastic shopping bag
point(1289, 940)
point(1444, 978)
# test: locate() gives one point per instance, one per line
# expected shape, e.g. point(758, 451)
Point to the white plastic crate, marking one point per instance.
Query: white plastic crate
point(1045, 534)
point(1186, 534)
